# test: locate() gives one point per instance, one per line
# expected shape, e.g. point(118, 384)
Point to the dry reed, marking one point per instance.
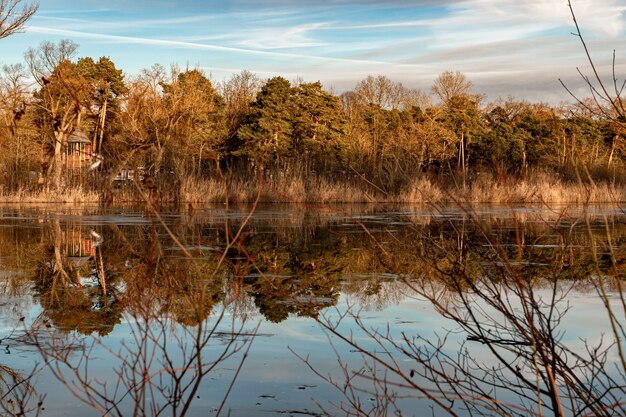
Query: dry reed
point(74, 195)
point(540, 187)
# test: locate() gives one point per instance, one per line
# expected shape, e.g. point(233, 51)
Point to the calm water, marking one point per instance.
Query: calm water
point(112, 294)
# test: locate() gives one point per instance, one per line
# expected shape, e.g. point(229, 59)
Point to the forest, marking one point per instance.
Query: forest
point(81, 127)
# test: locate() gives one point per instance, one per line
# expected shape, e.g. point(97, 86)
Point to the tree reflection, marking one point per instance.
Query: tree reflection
point(70, 281)
point(85, 284)
point(277, 297)
point(171, 341)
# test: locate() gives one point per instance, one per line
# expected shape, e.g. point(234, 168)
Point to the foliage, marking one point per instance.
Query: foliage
point(266, 133)
point(175, 127)
point(318, 123)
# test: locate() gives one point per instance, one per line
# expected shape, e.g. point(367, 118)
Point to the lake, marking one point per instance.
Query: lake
point(291, 310)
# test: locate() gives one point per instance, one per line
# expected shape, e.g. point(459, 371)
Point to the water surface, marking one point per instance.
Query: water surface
point(105, 289)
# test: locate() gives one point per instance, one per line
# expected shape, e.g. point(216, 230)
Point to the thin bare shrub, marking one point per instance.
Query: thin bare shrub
point(158, 369)
point(18, 395)
point(505, 353)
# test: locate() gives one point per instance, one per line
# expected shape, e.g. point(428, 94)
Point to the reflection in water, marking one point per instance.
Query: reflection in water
point(89, 275)
point(71, 283)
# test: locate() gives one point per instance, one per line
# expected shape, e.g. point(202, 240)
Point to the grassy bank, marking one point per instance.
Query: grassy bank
point(540, 187)
point(74, 195)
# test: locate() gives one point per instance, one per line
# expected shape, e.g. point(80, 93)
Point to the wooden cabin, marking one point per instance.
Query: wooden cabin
point(79, 246)
point(78, 152)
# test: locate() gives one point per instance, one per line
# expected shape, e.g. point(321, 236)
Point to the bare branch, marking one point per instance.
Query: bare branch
point(13, 18)
point(597, 87)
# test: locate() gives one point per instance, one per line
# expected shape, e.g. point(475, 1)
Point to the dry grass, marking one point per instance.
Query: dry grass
point(216, 190)
point(273, 190)
point(70, 196)
point(540, 187)
point(543, 188)
point(424, 190)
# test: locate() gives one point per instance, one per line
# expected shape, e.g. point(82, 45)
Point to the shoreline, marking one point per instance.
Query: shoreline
point(537, 189)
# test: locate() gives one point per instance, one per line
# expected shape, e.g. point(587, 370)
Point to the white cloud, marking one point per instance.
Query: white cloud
point(199, 46)
point(600, 16)
point(84, 24)
point(298, 36)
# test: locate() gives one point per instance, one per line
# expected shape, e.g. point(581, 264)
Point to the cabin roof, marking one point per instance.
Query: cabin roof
point(78, 261)
point(78, 136)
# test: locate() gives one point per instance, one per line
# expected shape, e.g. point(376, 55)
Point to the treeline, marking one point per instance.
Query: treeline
point(169, 126)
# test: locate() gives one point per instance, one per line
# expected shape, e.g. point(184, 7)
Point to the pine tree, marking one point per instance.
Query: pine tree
point(266, 134)
point(318, 124)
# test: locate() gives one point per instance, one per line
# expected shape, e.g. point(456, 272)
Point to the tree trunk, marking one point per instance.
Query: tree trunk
point(612, 150)
point(57, 160)
point(102, 122)
point(462, 158)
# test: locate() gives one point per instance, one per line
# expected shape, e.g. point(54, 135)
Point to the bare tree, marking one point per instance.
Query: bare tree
point(239, 92)
point(60, 100)
point(43, 60)
point(13, 18)
point(606, 98)
point(379, 91)
point(450, 84)
point(16, 139)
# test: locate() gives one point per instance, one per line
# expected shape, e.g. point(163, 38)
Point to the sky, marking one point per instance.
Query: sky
point(505, 47)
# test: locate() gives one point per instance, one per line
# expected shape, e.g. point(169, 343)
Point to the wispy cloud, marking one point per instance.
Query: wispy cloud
point(298, 36)
point(342, 41)
point(193, 45)
point(528, 17)
point(603, 16)
point(82, 23)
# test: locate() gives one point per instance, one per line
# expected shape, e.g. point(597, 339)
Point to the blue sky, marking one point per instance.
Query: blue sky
point(518, 47)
